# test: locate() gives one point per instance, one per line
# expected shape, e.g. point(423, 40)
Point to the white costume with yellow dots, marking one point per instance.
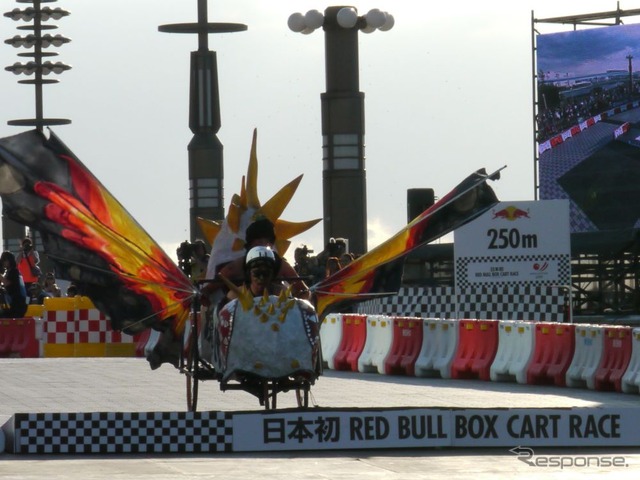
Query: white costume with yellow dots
point(270, 336)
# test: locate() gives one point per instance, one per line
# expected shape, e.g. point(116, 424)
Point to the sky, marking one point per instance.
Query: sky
point(448, 90)
point(588, 52)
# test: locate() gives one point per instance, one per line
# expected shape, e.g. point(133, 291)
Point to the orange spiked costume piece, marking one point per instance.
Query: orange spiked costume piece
point(227, 239)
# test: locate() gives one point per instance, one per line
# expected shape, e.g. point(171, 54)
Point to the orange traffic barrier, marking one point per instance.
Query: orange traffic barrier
point(405, 348)
point(19, 338)
point(477, 347)
point(615, 358)
point(554, 346)
point(354, 335)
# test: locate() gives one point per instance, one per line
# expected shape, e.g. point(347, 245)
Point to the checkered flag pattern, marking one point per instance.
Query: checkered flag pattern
point(91, 326)
point(437, 302)
point(531, 303)
point(60, 326)
point(116, 432)
point(513, 302)
point(74, 321)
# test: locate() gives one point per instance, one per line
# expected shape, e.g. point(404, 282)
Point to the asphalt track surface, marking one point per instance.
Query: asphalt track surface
point(129, 385)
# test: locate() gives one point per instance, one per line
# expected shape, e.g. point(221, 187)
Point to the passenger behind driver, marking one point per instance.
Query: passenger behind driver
point(259, 233)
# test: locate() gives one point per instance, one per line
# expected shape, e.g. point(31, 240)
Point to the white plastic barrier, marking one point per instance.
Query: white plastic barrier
point(330, 337)
point(154, 336)
point(587, 356)
point(439, 345)
point(377, 344)
point(631, 378)
point(515, 350)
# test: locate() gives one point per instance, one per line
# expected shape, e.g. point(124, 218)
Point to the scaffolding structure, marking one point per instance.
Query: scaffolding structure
point(605, 265)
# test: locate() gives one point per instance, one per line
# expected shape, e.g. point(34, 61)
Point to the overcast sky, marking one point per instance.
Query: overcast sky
point(588, 52)
point(447, 91)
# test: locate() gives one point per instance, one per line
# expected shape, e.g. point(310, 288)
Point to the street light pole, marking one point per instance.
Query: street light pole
point(343, 171)
point(39, 67)
point(206, 167)
point(629, 57)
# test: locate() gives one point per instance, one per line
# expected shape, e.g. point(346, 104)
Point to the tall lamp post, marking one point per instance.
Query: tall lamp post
point(37, 42)
point(629, 58)
point(206, 168)
point(343, 170)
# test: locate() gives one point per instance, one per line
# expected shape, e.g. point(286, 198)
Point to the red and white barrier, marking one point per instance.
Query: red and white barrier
point(552, 354)
point(576, 129)
point(477, 347)
point(20, 337)
point(515, 351)
point(615, 358)
point(405, 346)
point(599, 357)
point(60, 325)
point(439, 345)
point(75, 328)
point(354, 332)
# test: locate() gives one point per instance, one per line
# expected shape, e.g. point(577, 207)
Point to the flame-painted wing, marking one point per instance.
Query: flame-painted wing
point(379, 272)
point(90, 237)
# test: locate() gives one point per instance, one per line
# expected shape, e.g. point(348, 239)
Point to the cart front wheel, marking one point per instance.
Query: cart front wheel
point(269, 394)
point(302, 395)
point(193, 369)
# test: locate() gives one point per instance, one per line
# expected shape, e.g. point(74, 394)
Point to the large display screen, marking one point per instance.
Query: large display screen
point(588, 125)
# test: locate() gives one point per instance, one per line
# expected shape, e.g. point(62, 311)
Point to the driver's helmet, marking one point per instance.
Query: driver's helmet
point(260, 255)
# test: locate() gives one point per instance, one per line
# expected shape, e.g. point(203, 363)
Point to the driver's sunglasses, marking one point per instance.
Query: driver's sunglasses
point(260, 273)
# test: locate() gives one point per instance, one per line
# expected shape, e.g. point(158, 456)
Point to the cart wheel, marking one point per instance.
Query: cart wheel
point(302, 395)
point(193, 369)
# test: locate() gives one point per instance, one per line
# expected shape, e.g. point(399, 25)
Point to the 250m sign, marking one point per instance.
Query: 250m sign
point(502, 238)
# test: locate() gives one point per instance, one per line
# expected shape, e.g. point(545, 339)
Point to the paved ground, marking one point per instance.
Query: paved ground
point(119, 384)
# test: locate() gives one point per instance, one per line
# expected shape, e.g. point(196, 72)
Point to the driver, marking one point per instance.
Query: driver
point(260, 272)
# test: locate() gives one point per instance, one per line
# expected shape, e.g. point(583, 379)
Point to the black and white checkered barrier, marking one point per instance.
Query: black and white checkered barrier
point(545, 304)
point(533, 303)
point(117, 432)
point(437, 302)
point(320, 429)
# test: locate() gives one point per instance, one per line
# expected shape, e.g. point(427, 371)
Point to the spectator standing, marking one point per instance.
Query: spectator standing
point(15, 293)
point(27, 260)
point(199, 261)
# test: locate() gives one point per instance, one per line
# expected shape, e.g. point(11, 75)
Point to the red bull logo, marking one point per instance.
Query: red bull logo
point(510, 213)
